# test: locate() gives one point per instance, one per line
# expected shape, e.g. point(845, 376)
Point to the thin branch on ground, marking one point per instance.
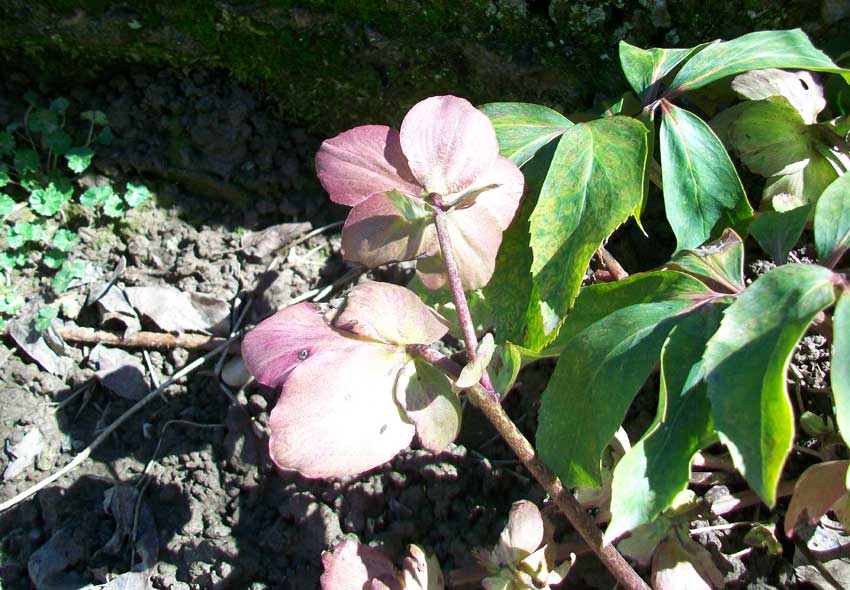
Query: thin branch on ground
point(83, 455)
point(144, 480)
point(147, 340)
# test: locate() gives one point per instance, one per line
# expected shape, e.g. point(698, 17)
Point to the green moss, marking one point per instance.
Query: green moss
point(332, 64)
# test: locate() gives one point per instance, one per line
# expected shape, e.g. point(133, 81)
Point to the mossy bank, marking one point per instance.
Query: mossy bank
point(333, 64)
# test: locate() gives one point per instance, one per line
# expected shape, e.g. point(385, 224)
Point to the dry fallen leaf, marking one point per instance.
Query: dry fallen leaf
point(265, 242)
point(120, 372)
point(41, 347)
point(178, 311)
point(24, 453)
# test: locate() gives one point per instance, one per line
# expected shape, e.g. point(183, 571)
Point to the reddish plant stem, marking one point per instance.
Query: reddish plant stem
point(456, 287)
point(487, 400)
point(583, 524)
point(612, 264)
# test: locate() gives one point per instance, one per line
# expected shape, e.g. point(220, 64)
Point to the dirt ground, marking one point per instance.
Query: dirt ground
point(193, 466)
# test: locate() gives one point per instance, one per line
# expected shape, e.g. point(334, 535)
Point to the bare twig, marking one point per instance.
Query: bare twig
point(83, 455)
point(147, 340)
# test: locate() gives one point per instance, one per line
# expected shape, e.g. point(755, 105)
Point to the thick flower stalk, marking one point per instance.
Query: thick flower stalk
point(447, 149)
point(351, 396)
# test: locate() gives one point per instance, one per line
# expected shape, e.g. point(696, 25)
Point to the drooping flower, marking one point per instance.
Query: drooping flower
point(445, 147)
point(351, 396)
point(353, 566)
point(525, 557)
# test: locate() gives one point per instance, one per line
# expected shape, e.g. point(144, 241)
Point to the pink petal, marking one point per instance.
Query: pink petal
point(375, 233)
point(280, 343)
point(524, 532)
point(389, 313)
point(820, 486)
point(502, 201)
point(448, 143)
point(429, 402)
point(363, 161)
point(337, 416)
point(476, 236)
point(351, 566)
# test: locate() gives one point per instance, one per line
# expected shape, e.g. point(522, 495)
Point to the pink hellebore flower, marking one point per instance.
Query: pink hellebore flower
point(351, 396)
point(353, 566)
point(445, 146)
point(525, 558)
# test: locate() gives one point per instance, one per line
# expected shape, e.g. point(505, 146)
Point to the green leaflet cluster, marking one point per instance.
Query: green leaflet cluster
point(41, 161)
point(722, 348)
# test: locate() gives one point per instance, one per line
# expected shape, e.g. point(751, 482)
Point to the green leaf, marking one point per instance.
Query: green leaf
point(114, 206)
point(54, 258)
point(524, 128)
point(7, 143)
point(26, 161)
point(610, 342)
point(832, 221)
point(509, 359)
point(59, 105)
point(96, 196)
point(79, 158)
point(777, 232)
point(510, 294)
point(645, 67)
point(136, 194)
point(701, 186)
point(627, 104)
point(719, 264)
point(473, 371)
point(650, 475)
point(411, 208)
point(7, 204)
point(745, 363)
point(105, 136)
point(65, 240)
point(840, 375)
point(43, 121)
point(57, 141)
point(10, 302)
point(69, 272)
point(4, 175)
point(755, 51)
point(48, 201)
point(96, 117)
point(44, 317)
point(770, 136)
point(594, 184)
point(19, 234)
point(12, 258)
point(772, 140)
